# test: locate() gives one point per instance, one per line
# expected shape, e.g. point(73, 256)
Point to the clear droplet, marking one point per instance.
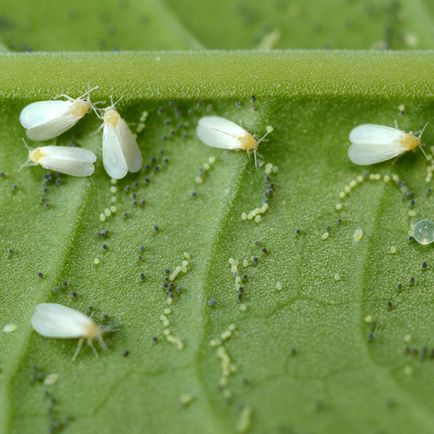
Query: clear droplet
point(423, 231)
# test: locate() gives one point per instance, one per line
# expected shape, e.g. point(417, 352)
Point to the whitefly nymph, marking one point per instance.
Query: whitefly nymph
point(222, 133)
point(45, 120)
point(371, 144)
point(63, 159)
point(57, 321)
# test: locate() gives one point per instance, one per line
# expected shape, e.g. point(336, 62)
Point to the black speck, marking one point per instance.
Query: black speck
point(212, 302)
point(126, 353)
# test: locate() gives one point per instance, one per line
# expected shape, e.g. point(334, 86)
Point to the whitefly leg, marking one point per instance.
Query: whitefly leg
point(78, 349)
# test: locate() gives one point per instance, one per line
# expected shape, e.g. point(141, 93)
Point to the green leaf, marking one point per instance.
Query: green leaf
point(114, 25)
point(304, 354)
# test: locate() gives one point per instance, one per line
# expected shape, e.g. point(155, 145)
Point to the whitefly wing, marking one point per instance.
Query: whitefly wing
point(219, 132)
point(41, 112)
point(58, 321)
point(53, 128)
point(130, 148)
point(375, 134)
point(112, 153)
point(67, 159)
point(68, 167)
point(69, 153)
point(371, 144)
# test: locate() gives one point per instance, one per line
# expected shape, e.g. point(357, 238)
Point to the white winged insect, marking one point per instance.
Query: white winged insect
point(64, 159)
point(371, 144)
point(222, 133)
point(45, 120)
point(120, 151)
point(57, 321)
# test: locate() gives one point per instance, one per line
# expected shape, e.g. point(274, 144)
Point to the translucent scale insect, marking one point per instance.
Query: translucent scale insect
point(219, 132)
point(45, 120)
point(64, 159)
point(57, 321)
point(371, 144)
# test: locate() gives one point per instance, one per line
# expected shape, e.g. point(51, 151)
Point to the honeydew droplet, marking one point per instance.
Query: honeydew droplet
point(423, 232)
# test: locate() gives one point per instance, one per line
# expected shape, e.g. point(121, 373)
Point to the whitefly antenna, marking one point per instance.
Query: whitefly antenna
point(269, 130)
point(114, 104)
point(88, 92)
point(421, 146)
point(422, 130)
point(27, 162)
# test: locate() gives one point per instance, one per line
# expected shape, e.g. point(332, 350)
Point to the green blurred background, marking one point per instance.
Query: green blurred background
point(113, 25)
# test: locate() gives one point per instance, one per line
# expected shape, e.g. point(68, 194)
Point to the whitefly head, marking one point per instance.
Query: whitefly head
point(111, 116)
point(35, 155)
